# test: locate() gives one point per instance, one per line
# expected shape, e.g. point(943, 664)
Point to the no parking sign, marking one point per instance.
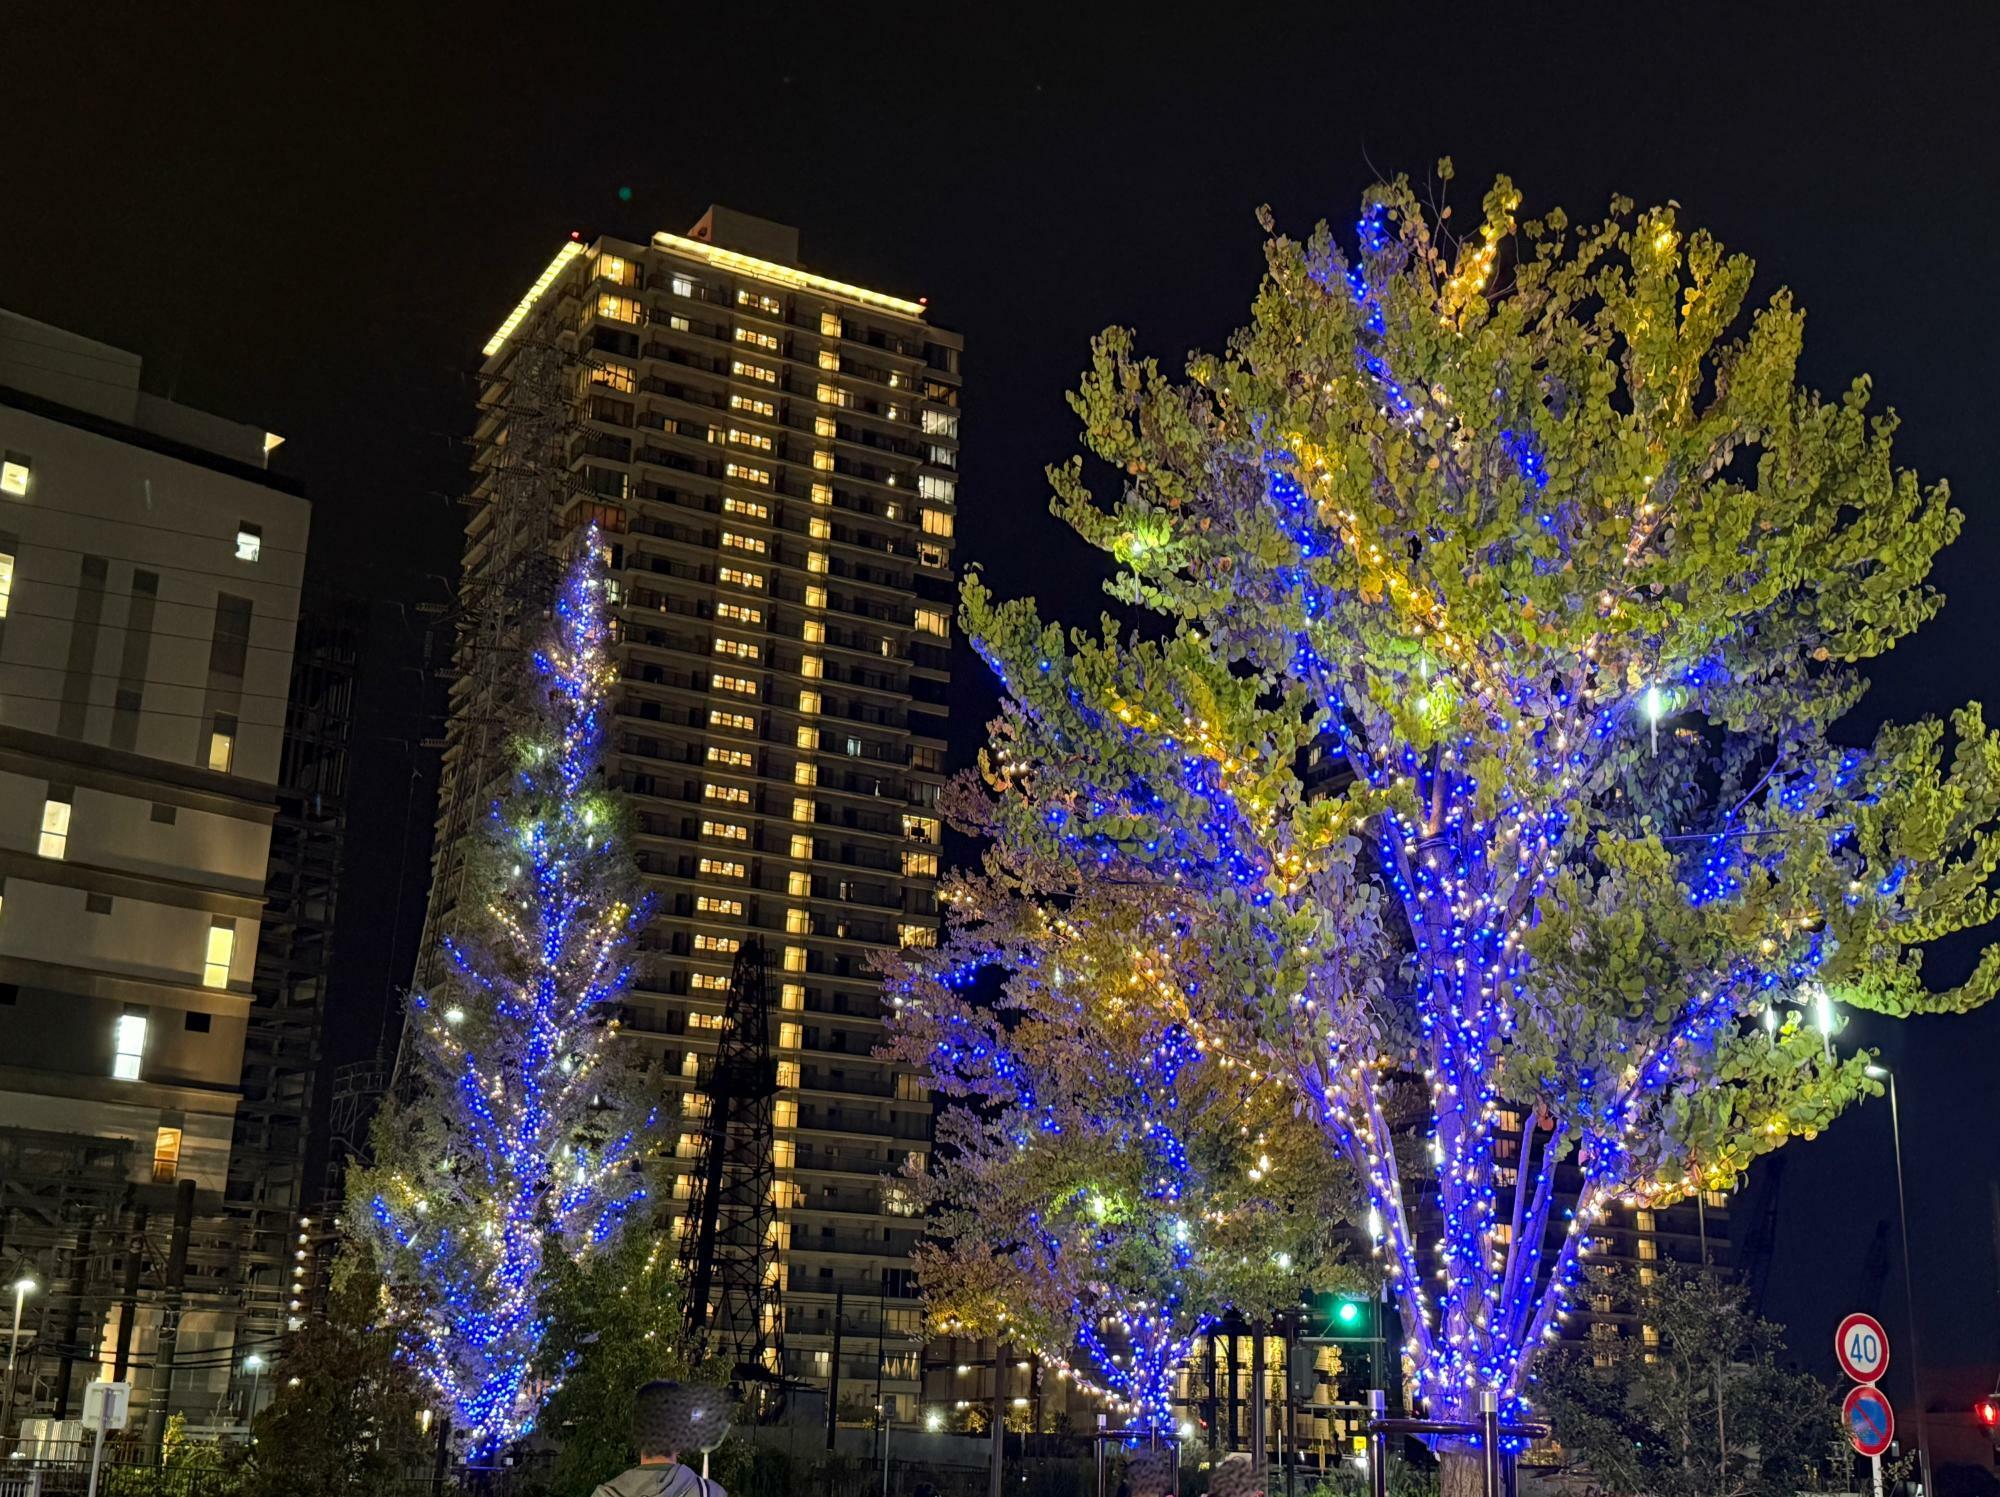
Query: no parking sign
point(1871, 1423)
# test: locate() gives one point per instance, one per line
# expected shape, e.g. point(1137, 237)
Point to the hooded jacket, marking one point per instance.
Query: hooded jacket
point(670, 1480)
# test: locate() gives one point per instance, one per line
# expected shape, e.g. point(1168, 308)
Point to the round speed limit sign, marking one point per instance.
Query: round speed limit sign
point(1863, 1348)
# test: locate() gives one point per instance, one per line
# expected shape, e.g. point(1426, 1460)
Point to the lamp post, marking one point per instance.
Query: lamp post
point(253, 1364)
point(1882, 1073)
point(24, 1285)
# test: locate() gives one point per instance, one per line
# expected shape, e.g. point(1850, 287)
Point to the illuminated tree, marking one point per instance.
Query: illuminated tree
point(525, 1131)
point(1105, 1186)
point(1537, 543)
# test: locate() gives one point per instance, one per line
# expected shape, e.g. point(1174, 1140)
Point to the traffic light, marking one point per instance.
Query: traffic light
point(1347, 1315)
point(1987, 1412)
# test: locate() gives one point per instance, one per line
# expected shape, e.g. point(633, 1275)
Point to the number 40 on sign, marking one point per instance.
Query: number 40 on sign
point(1863, 1348)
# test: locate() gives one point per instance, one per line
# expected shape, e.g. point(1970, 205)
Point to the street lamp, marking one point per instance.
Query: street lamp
point(24, 1285)
point(1883, 1073)
point(254, 1364)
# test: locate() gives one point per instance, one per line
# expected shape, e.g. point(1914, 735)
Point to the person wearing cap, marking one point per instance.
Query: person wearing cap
point(668, 1420)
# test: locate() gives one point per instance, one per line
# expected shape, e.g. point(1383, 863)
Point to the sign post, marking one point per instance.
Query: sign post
point(105, 1406)
point(1863, 1349)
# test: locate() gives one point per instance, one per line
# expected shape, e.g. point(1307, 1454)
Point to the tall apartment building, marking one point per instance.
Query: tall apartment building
point(150, 570)
point(773, 455)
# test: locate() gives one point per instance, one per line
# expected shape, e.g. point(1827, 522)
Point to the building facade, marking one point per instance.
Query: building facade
point(772, 455)
point(150, 571)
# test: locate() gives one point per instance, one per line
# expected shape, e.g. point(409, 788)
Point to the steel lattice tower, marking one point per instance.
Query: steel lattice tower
point(729, 1249)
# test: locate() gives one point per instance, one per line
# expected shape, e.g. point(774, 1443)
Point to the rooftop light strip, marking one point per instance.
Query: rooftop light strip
point(570, 250)
point(770, 270)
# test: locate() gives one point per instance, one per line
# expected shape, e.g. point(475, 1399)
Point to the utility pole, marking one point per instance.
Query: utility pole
point(166, 1343)
point(999, 1417)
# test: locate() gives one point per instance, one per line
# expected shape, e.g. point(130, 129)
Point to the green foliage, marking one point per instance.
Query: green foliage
point(344, 1418)
point(1534, 542)
point(615, 1323)
point(1646, 1422)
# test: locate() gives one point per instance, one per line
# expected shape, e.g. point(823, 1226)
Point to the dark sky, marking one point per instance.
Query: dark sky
point(312, 216)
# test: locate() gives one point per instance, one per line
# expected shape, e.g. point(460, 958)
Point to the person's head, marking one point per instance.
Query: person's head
point(657, 1425)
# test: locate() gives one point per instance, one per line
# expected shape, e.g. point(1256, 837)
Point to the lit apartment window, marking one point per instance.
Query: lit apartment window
point(808, 738)
point(897, 1201)
point(688, 1146)
point(724, 945)
point(920, 865)
point(823, 426)
point(166, 1155)
point(784, 1113)
point(617, 308)
point(791, 996)
point(737, 577)
point(940, 457)
point(798, 883)
point(812, 631)
point(753, 371)
point(760, 301)
point(785, 1196)
point(615, 268)
point(739, 542)
point(753, 405)
point(809, 703)
point(742, 685)
point(829, 324)
point(683, 286)
point(249, 541)
point(815, 596)
point(690, 1066)
point(756, 338)
point(935, 521)
point(728, 831)
point(788, 1074)
point(934, 621)
point(829, 360)
point(895, 381)
point(760, 440)
point(923, 828)
point(128, 1046)
point(740, 649)
point(705, 1021)
point(222, 743)
point(705, 982)
point(739, 722)
point(798, 923)
point(916, 935)
point(731, 505)
point(940, 423)
point(929, 555)
point(14, 474)
point(679, 323)
point(795, 959)
point(54, 842)
point(6, 582)
point(802, 809)
point(784, 1152)
point(738, 613)
point(791, 1036)
point(828, 395)
point(729, 795)
point(710, 904)
point(619, 377)
point(721, 868)
point(823, 461)
point(221, 952)
point(730, 757)
point(910, 1088)
point(744, 473)
point(802, 846)
point(810, 667)
point(820, 528)
point(805, 774)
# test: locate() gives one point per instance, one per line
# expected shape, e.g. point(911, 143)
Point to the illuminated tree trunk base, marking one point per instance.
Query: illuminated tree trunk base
point(1461, 1471)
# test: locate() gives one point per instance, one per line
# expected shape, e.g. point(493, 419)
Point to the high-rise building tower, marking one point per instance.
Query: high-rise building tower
point(150, 570)
point(773, 456)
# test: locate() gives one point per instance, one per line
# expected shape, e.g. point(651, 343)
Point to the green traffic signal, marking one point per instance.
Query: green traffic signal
point(1347, 1313)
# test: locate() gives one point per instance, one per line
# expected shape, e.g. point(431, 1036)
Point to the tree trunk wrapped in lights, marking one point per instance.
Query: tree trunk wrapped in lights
point(1537, 538)
point(527, 1131)
point(1107, 1185)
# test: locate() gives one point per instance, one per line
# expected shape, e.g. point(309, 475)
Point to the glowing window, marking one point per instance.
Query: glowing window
point(920, 865)
point(805, 774)
point(802, 846)
point(731, 757)
point(741, 722)
point(683, 286)
point(619, 377)
point(744, 473)
point(740, 542)
point(820, 528)
point(924, 828)
point(726, 945)
point(221, 953)
point(940, 423)
point(741, 649)
point(760, 440)
point(738, 613)
point(828, 359)
point(753, 371)
point(810, 667)
point(742, 685)
point(788, 1073)
point(917, 935)
point(617, 308)
point(222, 743)
point(249, 541)
point(809, 703)
point(812, 631)
point(6, 582)
point(737, 577)
point(795, 958)
point(728, 831)
point(755, 510)
point(710, 904)
point(822, 493)
point(798, 883)
point(791, 1036)
point(54, 842)
point(802, 809)
point(704, 1021)
point(760, 301)
point(808, 738)
point(936, 521)
point(14, 475)
point(754, 405)
point(823, 426)
point(756, 338)
point(823, 461)
point(797, 923)
point(690, 1066)
point(728, 795)
point(128, 1046)
point(815, 597)
point(615, 268)
point(166, 1154)
point(702, 982)
point(934, 621)
point(829, 324)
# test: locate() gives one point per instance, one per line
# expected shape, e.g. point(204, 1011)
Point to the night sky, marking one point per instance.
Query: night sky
point(312, 221)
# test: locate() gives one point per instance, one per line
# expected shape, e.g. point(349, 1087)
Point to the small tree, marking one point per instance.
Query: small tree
point(1703, 1411)
point(344, 1419)
point(1534, 540)
point(1105, 1186)
point(526, 1127)
point(614, 1322)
